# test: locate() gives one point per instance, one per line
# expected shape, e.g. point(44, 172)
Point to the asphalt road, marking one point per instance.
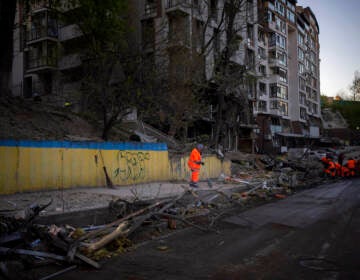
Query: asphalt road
point(314, 234)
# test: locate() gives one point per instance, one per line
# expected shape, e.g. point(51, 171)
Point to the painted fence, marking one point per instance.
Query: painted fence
point(44, 165)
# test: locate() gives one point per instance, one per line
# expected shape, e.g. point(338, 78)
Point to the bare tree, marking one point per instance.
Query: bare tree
point(355, 87)
point(234, 67)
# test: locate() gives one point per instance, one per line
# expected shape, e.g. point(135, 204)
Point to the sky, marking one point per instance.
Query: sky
point(339, 23)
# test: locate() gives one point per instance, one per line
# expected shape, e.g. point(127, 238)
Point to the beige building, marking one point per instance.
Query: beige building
point(278, 44)
point(288, 105)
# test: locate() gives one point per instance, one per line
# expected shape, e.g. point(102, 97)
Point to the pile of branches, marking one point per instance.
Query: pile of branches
point(33, 245)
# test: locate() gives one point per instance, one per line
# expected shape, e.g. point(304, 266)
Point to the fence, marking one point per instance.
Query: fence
point(46, 165)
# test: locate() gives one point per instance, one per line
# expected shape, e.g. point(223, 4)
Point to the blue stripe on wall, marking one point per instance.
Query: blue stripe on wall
point(85, 145)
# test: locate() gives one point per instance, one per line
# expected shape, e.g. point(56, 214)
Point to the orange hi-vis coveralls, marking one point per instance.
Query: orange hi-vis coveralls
point(194, 164)
point(351, 164)
point(331, 170)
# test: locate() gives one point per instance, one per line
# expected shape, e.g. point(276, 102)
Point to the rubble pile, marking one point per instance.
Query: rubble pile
point(27, 246)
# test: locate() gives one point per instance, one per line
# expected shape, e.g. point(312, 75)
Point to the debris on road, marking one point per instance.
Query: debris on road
point(256, 179)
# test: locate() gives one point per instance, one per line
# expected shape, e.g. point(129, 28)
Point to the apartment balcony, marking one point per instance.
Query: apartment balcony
point(38, 6)
point(177, 7)
point(69, 62)
point(41, 64)
point(275, 78)
point(274, 62)
point(69, 32)
point(260, 110)
point(43, 33)
point(263, 95)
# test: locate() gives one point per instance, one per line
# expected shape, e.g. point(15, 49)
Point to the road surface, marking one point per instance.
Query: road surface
point(313, 234)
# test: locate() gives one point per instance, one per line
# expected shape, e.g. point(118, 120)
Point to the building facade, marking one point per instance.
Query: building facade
point(288, 107)
point(278, 45)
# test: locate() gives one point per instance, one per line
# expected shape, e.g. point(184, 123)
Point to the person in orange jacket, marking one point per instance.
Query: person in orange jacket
point(331, 169)
point(351, 164)
point(326, 163)
point(338, 168)
point(194, 163)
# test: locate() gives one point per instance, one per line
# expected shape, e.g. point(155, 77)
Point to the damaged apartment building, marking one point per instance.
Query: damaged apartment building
point(278, 48)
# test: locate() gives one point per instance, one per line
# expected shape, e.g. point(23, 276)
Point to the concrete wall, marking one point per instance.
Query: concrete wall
point(46, 165)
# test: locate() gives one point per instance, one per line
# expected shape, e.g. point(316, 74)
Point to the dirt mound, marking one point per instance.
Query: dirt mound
point(30, 120)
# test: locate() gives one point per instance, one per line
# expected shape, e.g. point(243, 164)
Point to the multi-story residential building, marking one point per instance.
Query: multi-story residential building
point(288, 107)
point(35, 49)
point(183, 38)
point(47, 54)
point(280, 47)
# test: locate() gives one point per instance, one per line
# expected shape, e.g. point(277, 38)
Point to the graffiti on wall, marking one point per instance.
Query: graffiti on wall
point(131, 165)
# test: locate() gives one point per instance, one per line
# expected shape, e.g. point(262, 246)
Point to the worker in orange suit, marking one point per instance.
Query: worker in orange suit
point(325, 161)
point(338, 168)
point(351, 164)
point(331, 170)
point(194, 164)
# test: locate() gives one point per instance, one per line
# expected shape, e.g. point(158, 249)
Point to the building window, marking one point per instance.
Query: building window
point(262, 70)
point(314, 95)
point(250, 59)
point(150, 7)
point(301, 39)
point(302, 113)
point(278, 91)
point(261, 53)
point(301, 54)
point(262, 88)
point(291, 16)
point(282, 75)
point(302, 84)
point(261, 36)
point(291, 6)
point(280, 8)
point(314, 82)
point(302, 98)
point(274, 104)
point(262, 106)
point(314, 108)
point(301, 68)
point(283, 108)
point(280, 25)
point(282, 57)
point(278, 40)
point(313, 57)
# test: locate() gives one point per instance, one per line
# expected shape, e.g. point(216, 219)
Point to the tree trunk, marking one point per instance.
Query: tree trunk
point(219, 120)
point(7, 17)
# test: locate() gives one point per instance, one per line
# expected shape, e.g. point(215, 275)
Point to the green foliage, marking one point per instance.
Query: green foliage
point(324, 101)
point(103, 22)
point(110, 66)
point(350, 111)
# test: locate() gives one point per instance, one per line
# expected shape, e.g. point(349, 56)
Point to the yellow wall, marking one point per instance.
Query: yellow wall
point(30, 165)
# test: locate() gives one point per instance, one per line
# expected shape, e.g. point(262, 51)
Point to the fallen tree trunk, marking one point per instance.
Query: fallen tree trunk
point(121, 230)
point(119, 221)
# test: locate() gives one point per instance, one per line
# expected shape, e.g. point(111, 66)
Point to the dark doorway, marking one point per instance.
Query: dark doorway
point(28, 87)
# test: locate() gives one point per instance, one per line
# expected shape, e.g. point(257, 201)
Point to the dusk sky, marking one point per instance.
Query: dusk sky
point(339, 23)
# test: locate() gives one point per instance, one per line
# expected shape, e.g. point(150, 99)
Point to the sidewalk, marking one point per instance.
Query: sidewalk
point(69, 200)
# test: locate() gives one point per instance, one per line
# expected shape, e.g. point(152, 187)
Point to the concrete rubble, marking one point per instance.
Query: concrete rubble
point(62, 227)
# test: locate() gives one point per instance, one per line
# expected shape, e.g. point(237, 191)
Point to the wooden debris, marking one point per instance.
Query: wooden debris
point(7, 251)
point(121, 230)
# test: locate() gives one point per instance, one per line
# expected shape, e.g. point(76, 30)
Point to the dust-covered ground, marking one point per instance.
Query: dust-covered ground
point(22, 119)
